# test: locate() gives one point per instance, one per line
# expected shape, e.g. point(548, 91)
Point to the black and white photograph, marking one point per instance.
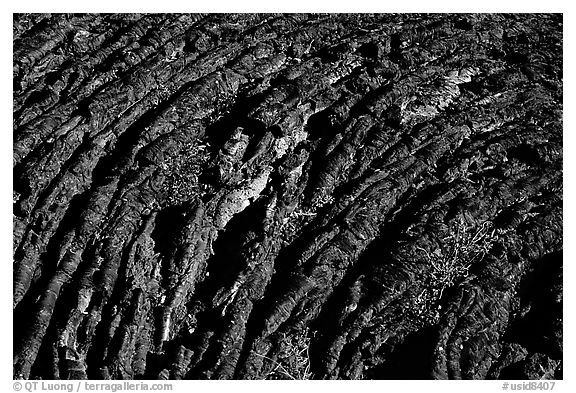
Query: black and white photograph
point(287, 196)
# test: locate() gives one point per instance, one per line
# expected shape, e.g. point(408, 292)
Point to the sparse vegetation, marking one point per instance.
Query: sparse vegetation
point(293, 361)
point(462, 247)
point(320, 201)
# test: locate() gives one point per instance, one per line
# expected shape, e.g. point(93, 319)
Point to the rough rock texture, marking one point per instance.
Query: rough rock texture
point(287, 196)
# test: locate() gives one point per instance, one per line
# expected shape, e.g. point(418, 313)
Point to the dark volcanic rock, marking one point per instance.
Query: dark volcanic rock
point(287, 196)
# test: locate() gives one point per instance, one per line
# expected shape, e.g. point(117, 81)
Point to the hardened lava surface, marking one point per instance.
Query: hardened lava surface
point(340, 196)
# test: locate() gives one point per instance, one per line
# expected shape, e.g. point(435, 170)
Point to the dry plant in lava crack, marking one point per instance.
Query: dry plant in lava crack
point(293, 361)
point(449, 264)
